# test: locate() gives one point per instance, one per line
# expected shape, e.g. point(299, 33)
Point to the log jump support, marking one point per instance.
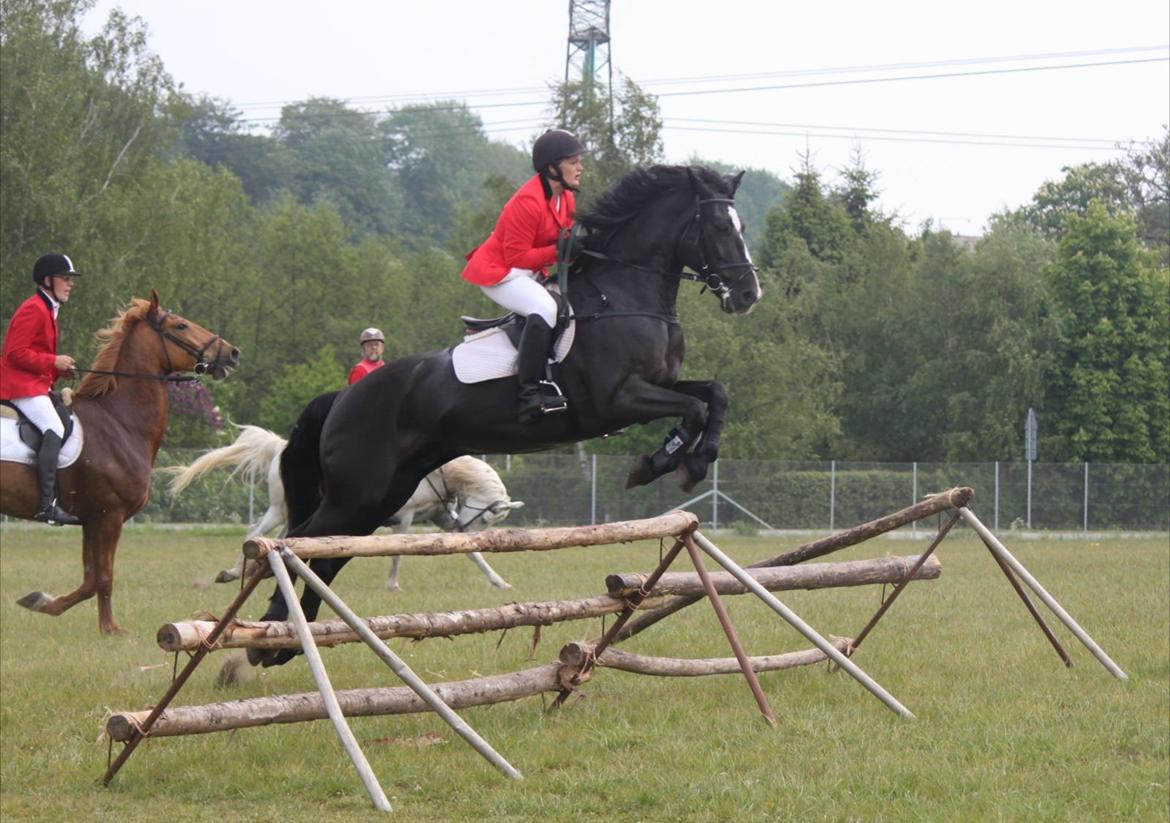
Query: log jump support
point(656, 596)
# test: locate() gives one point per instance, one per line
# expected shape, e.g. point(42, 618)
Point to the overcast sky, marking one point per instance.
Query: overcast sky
point(1001, 94)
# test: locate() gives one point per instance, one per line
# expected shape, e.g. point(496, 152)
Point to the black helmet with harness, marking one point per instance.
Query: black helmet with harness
point(50, 265)
point(550, 149)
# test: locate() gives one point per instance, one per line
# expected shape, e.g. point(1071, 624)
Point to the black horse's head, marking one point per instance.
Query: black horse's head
point(713, 243)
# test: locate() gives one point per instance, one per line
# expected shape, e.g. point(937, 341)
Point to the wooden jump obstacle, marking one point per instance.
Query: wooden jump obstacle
point(654, 596)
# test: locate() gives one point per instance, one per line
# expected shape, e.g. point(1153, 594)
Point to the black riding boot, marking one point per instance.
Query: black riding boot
point(534, 347)
point(50, 512)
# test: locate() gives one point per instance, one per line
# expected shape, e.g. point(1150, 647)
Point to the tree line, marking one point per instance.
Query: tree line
point(872, 342)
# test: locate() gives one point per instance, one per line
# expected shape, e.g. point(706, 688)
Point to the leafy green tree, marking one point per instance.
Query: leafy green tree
point(297, 384)
point(340, 157)
point(1109, 393)
point(632, 137)
point(211, 131)
point(440, 158)
point(78, 119)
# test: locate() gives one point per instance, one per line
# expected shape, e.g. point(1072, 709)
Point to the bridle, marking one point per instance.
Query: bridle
point(703, 271)
point(450, 503)
point(201, 362)
point(200, 355)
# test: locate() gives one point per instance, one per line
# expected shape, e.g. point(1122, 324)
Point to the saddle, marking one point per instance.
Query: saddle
point(512, 323)
point(29, 434)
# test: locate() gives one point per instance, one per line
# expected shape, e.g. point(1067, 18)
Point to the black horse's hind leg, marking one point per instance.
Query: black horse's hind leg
point(706, 451)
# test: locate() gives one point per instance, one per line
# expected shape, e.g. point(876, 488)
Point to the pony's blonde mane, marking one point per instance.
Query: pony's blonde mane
point(112, 337)
point(467, 473)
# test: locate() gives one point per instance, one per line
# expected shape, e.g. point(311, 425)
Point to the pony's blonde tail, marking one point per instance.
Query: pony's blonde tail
point(252, 452)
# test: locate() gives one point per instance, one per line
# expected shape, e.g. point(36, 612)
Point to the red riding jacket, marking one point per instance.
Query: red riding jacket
point(525, 236)
point(364, 367)
point(29, 355)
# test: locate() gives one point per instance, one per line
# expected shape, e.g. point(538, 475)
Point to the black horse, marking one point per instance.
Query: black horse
point(355, 457)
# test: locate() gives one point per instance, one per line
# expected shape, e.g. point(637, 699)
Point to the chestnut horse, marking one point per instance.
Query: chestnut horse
point(122, 408)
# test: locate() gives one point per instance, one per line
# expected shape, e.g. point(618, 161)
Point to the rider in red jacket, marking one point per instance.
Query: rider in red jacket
point(29, 365)
point(511, 265)
point(373, 345)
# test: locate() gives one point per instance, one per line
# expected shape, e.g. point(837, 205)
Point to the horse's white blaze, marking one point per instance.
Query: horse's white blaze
point(747, 255)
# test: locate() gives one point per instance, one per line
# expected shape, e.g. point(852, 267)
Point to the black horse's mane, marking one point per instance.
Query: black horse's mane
point(630, 195)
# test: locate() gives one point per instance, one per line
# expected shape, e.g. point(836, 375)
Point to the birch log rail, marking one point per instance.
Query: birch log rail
point(493, 540)
point(461, 694)
point(810, 576)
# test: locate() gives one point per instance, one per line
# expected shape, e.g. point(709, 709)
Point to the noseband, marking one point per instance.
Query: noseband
point(200, 355)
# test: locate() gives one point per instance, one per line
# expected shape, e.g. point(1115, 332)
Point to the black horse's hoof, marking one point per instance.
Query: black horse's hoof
point(282, 657)
point(641, 473)
point(261, 657)
point(691, 472)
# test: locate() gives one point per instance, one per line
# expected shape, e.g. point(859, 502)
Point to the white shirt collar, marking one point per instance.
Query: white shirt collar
point(52, 302)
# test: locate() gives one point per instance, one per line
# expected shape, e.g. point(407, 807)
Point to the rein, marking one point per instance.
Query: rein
point(167, 378)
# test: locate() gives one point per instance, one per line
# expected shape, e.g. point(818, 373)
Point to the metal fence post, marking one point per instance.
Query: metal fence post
point(593, 493)
point(997, 495)
point(914, 494)
point(1086, 505)
point(832, 493)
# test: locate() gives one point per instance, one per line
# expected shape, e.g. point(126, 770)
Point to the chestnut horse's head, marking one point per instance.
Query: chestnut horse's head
point(187, 346)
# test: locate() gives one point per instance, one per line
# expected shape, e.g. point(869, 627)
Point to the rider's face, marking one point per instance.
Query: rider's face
point(60, 285)
point(373, 349)
point(571, 168)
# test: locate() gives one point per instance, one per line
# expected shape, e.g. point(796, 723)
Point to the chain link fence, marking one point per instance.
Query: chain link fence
point(579, 488)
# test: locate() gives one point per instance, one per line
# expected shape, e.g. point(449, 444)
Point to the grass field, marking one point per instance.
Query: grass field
point(1004, 731)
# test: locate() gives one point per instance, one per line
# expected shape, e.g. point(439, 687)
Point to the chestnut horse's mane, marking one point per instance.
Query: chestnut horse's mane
point(112, 337)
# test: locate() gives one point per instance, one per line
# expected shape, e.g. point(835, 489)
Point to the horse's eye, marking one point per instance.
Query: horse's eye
point(181, 326)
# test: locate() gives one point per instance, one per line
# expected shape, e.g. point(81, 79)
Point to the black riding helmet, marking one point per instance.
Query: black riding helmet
point(551, 148)
point(48, 265)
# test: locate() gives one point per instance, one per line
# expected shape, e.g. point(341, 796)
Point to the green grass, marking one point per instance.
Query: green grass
point(1004, 731)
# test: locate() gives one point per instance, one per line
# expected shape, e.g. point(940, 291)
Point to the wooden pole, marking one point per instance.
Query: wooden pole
point(1000, 551)
point(808, 631)
point(492, 540)
point(243, 634)
point(398, 666)
point(348, 741)
point(729, 631)
point(575, 654)
point(951, 499)
point(299, 708)
point(809, 576)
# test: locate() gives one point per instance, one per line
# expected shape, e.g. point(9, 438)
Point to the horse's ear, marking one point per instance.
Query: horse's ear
point(734, 181)
point(153, 302)
point(694, 178)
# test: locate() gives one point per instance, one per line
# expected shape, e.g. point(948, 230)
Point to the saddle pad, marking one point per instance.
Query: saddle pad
point(13, 449)
point(489, 354)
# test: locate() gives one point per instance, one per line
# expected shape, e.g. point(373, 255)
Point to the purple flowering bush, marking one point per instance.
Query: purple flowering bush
point(195, 419)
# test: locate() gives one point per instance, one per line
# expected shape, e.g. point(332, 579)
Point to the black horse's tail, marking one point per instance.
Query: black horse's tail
point(300, 462)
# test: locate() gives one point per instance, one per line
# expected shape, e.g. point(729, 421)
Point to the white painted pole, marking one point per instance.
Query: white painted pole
point(324, 686)
point(1003, 554)
point(793, 620)
point(399, 666)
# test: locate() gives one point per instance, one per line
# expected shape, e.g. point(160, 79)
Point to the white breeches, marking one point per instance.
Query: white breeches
point(40, 411)
point(520, 292)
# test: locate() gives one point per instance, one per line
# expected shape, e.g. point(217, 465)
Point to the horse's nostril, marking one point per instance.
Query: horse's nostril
point(235, 356)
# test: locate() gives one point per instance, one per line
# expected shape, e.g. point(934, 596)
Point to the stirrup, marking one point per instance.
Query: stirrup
point(553, 400)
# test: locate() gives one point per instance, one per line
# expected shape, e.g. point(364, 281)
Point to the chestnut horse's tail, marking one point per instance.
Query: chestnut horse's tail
point(252, 452)
point(300, 462)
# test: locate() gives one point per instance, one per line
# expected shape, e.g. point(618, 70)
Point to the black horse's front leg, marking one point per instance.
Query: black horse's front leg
point(706, 451)
point(644, 402)
point(324, 567)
